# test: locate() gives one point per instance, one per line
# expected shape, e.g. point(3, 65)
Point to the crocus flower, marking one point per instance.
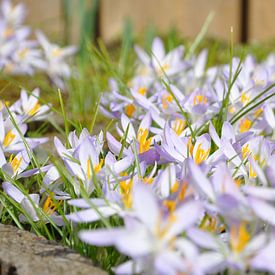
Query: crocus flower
point(55, 57)
point(82, 163)
point(237, 251)
point(159, 62)
point(264, 259)
point(178, 149)
point(117, 196)
point(20, 56)
point(31, 203)
point(11, 140)
point(191, 194)
point(16, 165)
point(29, 108)
point(148, 239)
point(13, 15)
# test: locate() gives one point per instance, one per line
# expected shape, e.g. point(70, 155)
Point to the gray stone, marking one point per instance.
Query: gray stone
point(23, 253)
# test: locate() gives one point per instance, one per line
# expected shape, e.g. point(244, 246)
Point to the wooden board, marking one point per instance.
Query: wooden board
point(187, 16)
point(261, 25)
point(45, 15)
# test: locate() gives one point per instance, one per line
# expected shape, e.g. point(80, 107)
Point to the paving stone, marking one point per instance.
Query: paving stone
point(23, 253)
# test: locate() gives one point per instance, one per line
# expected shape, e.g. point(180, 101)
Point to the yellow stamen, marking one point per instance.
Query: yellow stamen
point(144, 143)
point(8, 139)
point(162, 69)
point(142, 90)
point(179, 125)
point(34, 110)
point(166, 99)
point(56, 52)
point(98, 167)
point(182, 192)
point(252, 172)
point(89, 169)
point(130, 109)
point(50, 206)
point(148, 180)
point(15, 163)
point(239, 237)
point(170, 205)
point(123, 174)
point(165, 66)
point(258, 112)
point(190, 146)
point(257, 158)
point(126, 192)
point(238, 182)
point(201, 154)
point(175, 187)
point(210, 224)
point(232, 109)
point(245, 125)
point(199, 99)
point(245, 98)
point(246, 151)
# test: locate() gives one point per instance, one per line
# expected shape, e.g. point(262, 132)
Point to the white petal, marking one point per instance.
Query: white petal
point(13, 192)
point(145, 206)
point(91, 215)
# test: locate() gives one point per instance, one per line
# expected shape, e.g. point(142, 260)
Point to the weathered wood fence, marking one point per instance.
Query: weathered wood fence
point(252, 20)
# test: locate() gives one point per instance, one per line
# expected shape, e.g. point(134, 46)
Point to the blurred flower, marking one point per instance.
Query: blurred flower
point(149, 239)
point(28, 108)
point(55, 58)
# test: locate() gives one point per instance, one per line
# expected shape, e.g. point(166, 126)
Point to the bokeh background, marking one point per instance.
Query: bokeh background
point(115, 26)
point(73, 20)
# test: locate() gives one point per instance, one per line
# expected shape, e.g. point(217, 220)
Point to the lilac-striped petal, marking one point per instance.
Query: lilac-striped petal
point(91, 215)
point(82, 203)
point(185, 216)
point(147, 212)
point(201, 182)
point(263, 210)
point(101, 237)
point(13, 192)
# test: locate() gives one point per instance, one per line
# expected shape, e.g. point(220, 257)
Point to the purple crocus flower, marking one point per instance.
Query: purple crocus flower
point(28, 108)
point(30, 203)
point(147, 239)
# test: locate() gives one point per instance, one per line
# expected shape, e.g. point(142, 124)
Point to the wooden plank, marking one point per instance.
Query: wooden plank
point(49, 17)
point(261, 20)
point(45, 15)
point(187, 16)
